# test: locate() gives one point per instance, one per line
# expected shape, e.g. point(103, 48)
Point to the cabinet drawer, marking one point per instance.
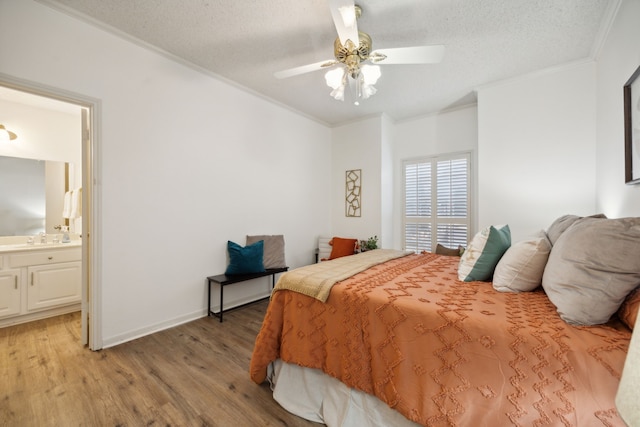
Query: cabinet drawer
point(44, 257)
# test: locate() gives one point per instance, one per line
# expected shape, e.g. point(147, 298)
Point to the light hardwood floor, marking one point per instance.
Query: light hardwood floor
point(195, 374)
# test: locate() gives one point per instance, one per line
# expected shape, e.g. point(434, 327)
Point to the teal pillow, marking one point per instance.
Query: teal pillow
point(245, 260)
point(485, 250)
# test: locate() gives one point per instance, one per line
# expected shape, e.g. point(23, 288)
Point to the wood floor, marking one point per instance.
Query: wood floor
point(195, 374)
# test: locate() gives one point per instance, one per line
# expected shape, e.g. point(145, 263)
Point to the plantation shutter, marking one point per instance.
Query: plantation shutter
point(436, 202)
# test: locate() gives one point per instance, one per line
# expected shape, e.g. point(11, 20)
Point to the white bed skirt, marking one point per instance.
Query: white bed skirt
point(315, 396)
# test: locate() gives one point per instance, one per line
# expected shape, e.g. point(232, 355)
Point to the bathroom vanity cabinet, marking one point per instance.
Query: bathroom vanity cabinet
point(39, 282)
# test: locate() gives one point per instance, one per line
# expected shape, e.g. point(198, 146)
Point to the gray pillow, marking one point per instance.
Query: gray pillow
point(558, 226)
point(592, 267)
point(273, 250)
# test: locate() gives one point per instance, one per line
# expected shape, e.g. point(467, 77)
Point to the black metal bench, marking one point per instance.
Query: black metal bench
point(223, 280)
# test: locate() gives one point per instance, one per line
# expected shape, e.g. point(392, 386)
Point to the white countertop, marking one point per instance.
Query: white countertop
point(23, 247)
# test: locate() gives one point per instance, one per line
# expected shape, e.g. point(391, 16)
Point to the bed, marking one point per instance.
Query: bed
point(401, 340)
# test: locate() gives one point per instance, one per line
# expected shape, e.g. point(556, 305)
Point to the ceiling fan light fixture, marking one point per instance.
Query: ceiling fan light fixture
point(355, 59)
point(361, 81)
point(367, 91)
point(338, 93)
point(370, 74)
point(336, 80)
point(361, 90)
point(335, 77)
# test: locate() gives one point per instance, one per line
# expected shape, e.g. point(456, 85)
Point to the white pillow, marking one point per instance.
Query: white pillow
point(324, 248)
point(520, 269)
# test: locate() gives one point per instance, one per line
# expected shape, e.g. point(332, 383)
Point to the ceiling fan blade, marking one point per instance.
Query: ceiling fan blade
point(344, 17)
point(410, 55)
point(304, 69)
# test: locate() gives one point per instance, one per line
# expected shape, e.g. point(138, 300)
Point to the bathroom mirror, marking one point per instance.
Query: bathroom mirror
point(31, 195)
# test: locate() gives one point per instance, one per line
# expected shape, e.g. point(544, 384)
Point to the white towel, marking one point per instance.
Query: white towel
point(76, 203)
point(66, 209)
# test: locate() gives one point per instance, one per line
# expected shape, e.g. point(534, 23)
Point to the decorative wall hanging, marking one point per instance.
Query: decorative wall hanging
point(353, 192)
point(631, 92)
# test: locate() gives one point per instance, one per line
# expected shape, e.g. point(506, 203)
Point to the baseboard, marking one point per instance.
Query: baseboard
point(38, 315)
point(170, 323)
point(148, 330)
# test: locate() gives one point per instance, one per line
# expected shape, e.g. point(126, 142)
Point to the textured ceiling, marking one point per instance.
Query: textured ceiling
point(248, 41)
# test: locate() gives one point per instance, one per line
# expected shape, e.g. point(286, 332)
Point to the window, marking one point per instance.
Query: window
point(436, 202)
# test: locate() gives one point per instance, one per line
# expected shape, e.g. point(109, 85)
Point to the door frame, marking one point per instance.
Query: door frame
point(91, 209)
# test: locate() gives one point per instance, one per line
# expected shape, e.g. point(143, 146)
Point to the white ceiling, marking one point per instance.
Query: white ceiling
point(246, 42)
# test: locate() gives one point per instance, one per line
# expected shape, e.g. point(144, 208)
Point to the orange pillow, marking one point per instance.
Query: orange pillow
point(628, 311)
point(342, 247)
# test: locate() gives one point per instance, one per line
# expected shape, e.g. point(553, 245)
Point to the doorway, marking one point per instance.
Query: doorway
point(86, 109)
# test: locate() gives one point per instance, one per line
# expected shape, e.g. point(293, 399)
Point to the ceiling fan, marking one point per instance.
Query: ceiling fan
point(358, 63)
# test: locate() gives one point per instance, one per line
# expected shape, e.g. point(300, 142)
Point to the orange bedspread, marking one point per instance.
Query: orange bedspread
point(445, 352)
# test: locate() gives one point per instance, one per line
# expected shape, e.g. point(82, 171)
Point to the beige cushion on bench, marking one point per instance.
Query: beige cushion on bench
point(273, 250)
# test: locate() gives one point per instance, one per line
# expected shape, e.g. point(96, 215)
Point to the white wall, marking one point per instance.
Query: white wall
point(619, 58)
point(357, 146)
point(448, 132)
point(536, 149)
point(186, 162)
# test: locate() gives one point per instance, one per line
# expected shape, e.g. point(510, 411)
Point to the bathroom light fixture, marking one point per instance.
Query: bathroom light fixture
point(5, 135)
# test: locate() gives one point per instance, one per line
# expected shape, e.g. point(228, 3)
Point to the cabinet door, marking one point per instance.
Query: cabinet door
point(54, 285)
point(9, 293)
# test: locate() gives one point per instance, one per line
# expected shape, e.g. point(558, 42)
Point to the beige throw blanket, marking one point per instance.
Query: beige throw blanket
point(316, 280)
